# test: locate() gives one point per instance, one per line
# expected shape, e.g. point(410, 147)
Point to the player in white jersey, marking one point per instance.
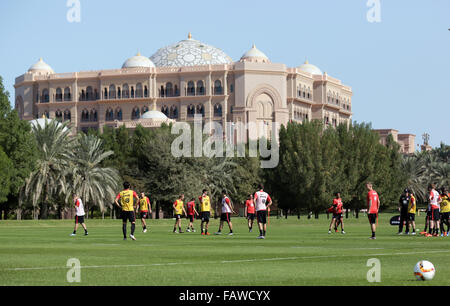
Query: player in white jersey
point(434, 206)
point(262, 205)
point(79, 217)
point(227, 210)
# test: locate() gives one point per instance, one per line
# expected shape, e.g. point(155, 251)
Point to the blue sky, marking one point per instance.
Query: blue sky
point(398, 68)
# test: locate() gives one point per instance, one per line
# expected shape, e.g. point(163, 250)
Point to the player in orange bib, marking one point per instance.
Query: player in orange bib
point(250, 212)
point(373, 205)
point(336, 209)
point(128, 206)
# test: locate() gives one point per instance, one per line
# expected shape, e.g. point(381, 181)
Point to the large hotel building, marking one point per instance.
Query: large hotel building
point(180, 81)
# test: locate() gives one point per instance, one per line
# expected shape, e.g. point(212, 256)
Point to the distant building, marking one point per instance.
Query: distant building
point(406, 141)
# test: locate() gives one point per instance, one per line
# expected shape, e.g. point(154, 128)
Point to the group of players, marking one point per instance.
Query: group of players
point(258, 205)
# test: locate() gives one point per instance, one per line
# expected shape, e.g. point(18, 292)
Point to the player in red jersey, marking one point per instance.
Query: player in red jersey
point(191, 213)
point(336, 209)
point(373, 205)
point(250, 212)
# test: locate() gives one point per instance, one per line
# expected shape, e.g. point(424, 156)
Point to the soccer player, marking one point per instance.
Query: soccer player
point(427, 222)
point(412, 208)
point(178, 207)
point(261, 199)
point(403, 209)
point(250, 212)
point(445, 212)
point(227, 210)
point(145, 208)
point(205, 211)
point(191, 213)
point(336, 208)
point(79, 217)
point(127, 204)
point(373, 205)
point(435, 200)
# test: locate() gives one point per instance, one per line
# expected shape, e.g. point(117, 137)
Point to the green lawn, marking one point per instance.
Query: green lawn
point(294, 253)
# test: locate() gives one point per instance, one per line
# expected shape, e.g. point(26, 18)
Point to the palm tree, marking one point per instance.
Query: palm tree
point(415, 169)
point(48, 178)
point(96, 185)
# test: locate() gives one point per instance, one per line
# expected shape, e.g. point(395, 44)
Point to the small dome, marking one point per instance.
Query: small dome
point(307, 67)
point(154, 115)
point(255, 55)
point(138, 61)
point(41, 66)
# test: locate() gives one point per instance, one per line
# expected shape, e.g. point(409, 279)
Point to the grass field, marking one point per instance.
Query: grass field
point(294, 253)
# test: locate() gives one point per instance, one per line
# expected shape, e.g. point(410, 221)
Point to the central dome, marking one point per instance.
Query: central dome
point(189, 52)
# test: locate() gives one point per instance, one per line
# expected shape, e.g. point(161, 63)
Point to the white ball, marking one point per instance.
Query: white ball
point(424, 270)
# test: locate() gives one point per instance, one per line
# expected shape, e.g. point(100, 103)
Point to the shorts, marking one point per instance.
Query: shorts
point(445, 216)
point(190, 218)
point(128, 215)
point(337, 216)
point(435, 216)
point(79, 219)
point(205, 215)
point(178, 217)
point(251, 217)
point(226, 217)
point(411, 217)
point(144, 214)
point(372, 218)
point(261, 216)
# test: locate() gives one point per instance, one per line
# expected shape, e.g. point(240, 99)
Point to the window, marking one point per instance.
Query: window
point(45, 96)
point(93, 116)
point(67, 95)
point(169, 90)
point(139, 93)
point(191, 111)
point(217, 110)
point(145, 92)
point(132, 92)
point(191, 89)
point(231, 88)
point(109, 116)
point(173, 112)
point(67, 115)
point(218, 88)
point(119, 93)
point(119, 114)
point(125, 92)
point(89, 94)
point(135, 114)
point(200, 88)
point(105, 94)
point(144, 109)
point(165, 110)
point(112, 92)
point(200, 110)
point(58, 115)
point(59, 95)
point(85, 116)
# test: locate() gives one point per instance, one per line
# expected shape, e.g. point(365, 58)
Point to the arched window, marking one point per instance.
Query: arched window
point(165, 110)
point(67, 115)
point(190, 111)
point(119, 93)
point(200, 110)
point(109, 116)
point(67, 95)
point(135, 114)
point(200, 88)
point(93, 116)
point(218, 90)
point(191, 89)
point(45, 96)
point(126, 91)
point(139, 93)
point(112, 91)
point(177, 91)
point(144, 109)
point(169, 90)
point(132, 92)
point(59, 95)
point(84, 115)
point(58, 115)
point(145, 92)
point(89, 94)
point(173, 112)
point(217, 110)
point(83, 95)
point(105, 94)
point(119, 114)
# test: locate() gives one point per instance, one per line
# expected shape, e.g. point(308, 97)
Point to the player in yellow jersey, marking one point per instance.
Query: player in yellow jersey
point(411, 216)
point(128, 206)
point(178, 208)
point(445, 212)
point(205, 211)
point(145, 208)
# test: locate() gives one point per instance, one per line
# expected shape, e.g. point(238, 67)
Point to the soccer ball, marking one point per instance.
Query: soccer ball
point(424, 270)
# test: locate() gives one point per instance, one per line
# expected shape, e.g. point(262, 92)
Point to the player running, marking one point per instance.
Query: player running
point(79, 217)
point(336, 209)
point(373, 205)
point(178, 207)
point(191, 213)
point(250, 212)
point(445, 212)
point(411, 216)
point(128, 207)
point(205, 211)
point(227, 210)
point(261, 200)
point(145, 208)
point(435, 200)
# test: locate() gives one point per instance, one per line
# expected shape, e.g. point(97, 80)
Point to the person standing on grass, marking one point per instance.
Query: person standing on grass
point(373, 206)
point(205, 211)
point(445, 212)
point(79, 217)
point(178, 207)
point(435, 200)
point(262, 203)
point(250, 212)
point(227, 210)
point(427, 222)
point(403, 209)
point(336, 209)
point(127, 204)
point(145, 208)
point(191, 213)
point(411, 216)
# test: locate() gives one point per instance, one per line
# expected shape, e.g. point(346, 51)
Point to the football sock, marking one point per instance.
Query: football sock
point(74, 232)
point(145, 226)
point(373, 234)
point(264, 233)
point(174, 229)
point(133, 227)
point(124, 230)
